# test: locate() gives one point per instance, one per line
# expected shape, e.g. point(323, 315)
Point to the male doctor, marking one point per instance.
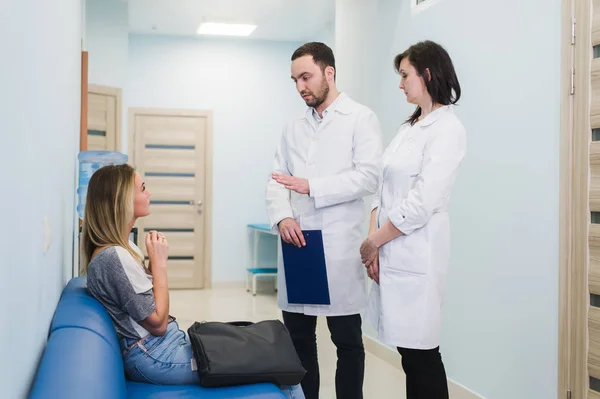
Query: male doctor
point(326, 162)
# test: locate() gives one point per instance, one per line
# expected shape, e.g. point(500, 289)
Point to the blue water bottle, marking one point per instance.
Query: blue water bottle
point(89, 162)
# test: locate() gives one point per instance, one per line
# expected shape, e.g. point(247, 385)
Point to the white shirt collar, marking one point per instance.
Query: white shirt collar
point(435, 115)
point(342, 104)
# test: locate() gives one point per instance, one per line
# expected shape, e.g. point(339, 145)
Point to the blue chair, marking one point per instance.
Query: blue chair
point(83, 360)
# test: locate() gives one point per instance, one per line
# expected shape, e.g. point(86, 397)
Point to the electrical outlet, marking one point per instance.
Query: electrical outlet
point(47, 234)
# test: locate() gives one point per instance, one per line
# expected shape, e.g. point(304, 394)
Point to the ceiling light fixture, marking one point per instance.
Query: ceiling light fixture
point(215, 28)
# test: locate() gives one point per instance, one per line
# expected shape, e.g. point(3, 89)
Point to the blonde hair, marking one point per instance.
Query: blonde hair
point(108, 211)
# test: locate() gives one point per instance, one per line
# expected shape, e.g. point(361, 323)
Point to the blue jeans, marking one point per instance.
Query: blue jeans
point(167, 360)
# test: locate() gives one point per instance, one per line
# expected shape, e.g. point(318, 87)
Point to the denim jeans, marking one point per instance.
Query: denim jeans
point(167, 360)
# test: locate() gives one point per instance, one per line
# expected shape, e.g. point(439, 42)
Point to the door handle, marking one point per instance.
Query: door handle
point(198, 204)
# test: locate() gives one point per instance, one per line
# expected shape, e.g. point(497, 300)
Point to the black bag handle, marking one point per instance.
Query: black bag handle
point(240, 323)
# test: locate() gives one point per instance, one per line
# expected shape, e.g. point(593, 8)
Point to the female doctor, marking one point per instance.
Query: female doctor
point(408, 247)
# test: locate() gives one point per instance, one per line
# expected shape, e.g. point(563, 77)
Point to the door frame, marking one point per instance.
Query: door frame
point(574, 199)
point(86, 90)
point(118, 95)
point(208, 201)
point(84, 102)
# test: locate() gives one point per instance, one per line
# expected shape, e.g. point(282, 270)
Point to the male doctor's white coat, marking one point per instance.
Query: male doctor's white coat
point(340, 157)
point(419, 168)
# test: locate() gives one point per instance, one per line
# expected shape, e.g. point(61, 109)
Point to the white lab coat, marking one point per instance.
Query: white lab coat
point(418, 170)
point(340, 157)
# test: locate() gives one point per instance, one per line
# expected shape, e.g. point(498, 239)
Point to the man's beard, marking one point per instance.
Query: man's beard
point(318, 99)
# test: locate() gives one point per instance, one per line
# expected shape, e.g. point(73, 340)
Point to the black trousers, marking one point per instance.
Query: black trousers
point(425, 373)
point(346, 334)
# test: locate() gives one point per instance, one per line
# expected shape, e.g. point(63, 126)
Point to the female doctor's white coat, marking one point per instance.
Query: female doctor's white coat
point(418, 170)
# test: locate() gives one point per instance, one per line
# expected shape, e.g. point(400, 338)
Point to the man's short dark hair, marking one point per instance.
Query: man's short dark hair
point(321, 53)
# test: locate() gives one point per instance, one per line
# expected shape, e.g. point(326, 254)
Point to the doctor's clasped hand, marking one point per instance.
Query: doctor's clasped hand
point(291, 233)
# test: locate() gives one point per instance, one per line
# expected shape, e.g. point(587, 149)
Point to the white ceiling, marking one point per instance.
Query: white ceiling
point(283, 20)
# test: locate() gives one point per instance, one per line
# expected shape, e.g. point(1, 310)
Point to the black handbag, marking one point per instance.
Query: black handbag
point(240, 353)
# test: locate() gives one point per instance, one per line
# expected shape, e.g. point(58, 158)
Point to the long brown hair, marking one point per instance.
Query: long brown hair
point(108, 211)
point(443, 87)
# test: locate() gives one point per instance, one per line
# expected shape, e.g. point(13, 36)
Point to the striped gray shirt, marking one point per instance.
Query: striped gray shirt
point(124, 287)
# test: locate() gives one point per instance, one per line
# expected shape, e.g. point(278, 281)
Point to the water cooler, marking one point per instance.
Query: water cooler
point(89, 162)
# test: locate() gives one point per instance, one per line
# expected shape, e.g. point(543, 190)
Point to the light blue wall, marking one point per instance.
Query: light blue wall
point(107, 44)
point(247, 85)
point(39, 123)
point(107, 41)
point(501, 312)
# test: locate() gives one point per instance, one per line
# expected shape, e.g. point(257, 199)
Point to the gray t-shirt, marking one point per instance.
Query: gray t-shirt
point(124, 287)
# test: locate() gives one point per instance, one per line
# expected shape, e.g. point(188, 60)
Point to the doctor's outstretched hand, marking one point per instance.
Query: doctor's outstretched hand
point(296, 184)
point(291, 233)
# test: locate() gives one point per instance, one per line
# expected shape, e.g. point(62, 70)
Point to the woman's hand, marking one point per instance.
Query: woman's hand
point(368, 251)
point(157, 248)
point(373, 270)
point(158, 252)
point(370, 247)
point(366, 258)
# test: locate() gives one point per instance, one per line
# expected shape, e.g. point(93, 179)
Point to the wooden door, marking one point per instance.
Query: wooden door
point(172, 151)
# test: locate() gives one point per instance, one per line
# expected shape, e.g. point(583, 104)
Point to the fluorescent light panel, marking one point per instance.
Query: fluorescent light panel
point(215, 28)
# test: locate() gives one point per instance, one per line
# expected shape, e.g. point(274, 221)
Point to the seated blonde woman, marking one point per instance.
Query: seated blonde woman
point(154, 349)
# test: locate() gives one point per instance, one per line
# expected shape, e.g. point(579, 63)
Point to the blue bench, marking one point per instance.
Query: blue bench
point(83, 360)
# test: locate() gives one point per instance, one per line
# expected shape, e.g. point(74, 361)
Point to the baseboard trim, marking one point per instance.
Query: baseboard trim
point(466, 390)
point(392, 357)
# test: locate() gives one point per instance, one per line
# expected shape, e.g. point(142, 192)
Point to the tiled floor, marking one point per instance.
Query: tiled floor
point(382, 381)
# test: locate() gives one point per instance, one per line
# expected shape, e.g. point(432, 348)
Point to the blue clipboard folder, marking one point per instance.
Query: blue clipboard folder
point(306, 271)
